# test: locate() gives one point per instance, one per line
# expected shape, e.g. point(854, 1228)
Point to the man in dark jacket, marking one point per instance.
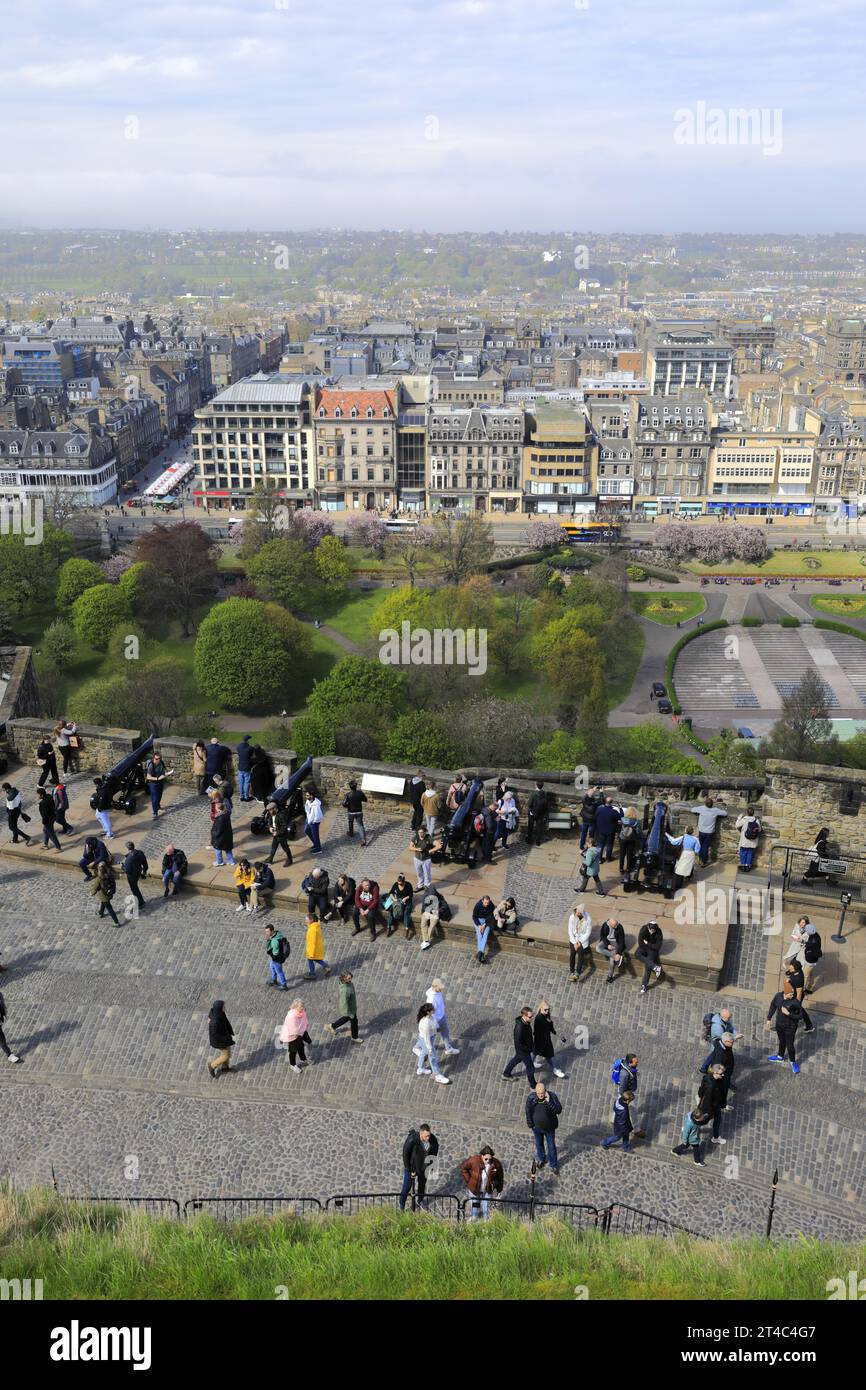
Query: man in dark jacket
point(622, 1125)
point(217, 758)
point(723, 1053)
point(588, 809)
point(278, 824)
point(221, 1037)
point(488, 833)
point(95, 853)
point(420, 1147)
point(649, 943)
point(484, 1178)
point(135, 866)
point(353, 805)
point(523, 1045)
point(788, 1013)
point(542, 1112)
point(417, 787)
point(607, 819)
point(611, 943)
point(537, 808)
point(316, 885)
point(45, 807)
point(243, 753)
point(47, 759)
point(174, 866)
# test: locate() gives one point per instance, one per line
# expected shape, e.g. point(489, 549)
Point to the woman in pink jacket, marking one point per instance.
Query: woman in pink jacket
point(294, 1034)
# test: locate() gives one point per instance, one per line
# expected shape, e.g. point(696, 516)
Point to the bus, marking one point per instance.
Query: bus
point(401, 525)
point(591, 530)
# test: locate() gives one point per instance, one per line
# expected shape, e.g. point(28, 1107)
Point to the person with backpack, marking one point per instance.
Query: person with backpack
point(611, 943)
point(174, 866)
point(607, 820)
point(60, 797)
point(590, 868)
point(542, 1111)
point(623, 1073)
point(420, 1148)
point(543, 1033)
point(353, 805)
point(4, 1046)
point(692, 1136)
point(811, 955)
point(456, 793)
point(417, 788)
point(524, 1042)
point(421, 849)
point(348, 1008)
point(277, 824)
point(484, 1178)
point(45, 806)
point(484, 921)
point(591, 801)
point(579, 933)
point(243, 753)
point(135, 866)
point(799, 933)
point(537, 811)
point(221, 1037)
point(104, 886)
point(316, 885)
point(649, 943)
point(278, 951)
point(630, 844)
point(15, 812)
point(788, 1013)
point(712, 1098)
point(366, 908)
point(344, 897)
point(622, 1124)
point(749, 827)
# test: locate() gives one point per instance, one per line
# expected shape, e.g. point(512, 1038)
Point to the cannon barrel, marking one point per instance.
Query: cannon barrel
point(130, 762)
point(283, 795)
point(458, 820)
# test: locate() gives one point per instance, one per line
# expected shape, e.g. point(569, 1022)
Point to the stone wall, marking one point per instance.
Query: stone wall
point(21, 698)
point(801, 798)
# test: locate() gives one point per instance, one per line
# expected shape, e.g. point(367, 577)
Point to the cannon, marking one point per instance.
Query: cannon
point(658, 856)
point(124, 780)
point(458, 832)
point(288, 796)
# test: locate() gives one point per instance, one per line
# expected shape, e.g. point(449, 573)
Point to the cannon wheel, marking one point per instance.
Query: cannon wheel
point(129, 806)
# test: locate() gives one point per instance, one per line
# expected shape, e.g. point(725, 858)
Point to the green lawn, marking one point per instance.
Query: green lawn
point(81, 1252)
point(351, 616)
point(622, 666)
point(840, 605)
point(669, 607)
point(796, 562)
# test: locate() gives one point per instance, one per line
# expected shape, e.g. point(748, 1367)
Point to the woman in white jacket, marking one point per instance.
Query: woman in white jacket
point(424, 1049)
point(579, 932)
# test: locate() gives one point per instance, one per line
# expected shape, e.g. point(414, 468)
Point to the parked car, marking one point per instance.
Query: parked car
point(658, 689)
point(665, 707)
point(837, 583)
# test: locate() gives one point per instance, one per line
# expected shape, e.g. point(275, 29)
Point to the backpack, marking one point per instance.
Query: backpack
point(812, 952)
point(408, 1145)
point(109, 887)
point(444, 909)
point(511, 820)
point(616, 1070)
point(284, 949)
point(478, 824)
point(626, 832)
point(753, 829)
point(707, 1022)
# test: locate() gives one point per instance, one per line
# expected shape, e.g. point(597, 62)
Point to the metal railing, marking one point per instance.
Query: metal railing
point(436, 1203)
point(154, 1206)
point(630, 1221)
point(800, 870)
point(239, 1208)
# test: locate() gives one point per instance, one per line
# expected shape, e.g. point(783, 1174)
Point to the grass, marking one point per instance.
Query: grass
point(623, 662)
point(82, 1251)
point(351, 616)
point(667, 608)
point(794, 562)
point(840, 605)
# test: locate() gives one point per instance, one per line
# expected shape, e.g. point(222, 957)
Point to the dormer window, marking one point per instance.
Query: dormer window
point(338, 412)
point(354, 412)
point(370, 412)
point(322, 412)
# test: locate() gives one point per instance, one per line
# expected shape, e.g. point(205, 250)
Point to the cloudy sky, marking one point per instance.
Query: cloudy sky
point(434, 114)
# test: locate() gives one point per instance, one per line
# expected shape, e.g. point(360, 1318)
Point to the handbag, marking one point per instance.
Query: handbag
point(386, 903)
point(75, 742)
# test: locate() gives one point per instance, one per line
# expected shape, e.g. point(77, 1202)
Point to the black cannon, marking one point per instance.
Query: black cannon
point(659, 855)
point(458, 833)
point(123, 781)
point(289, 796)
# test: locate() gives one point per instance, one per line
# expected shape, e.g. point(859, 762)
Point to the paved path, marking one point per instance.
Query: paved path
point(111, 1024)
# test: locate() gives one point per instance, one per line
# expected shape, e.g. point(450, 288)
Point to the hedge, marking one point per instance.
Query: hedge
point(513, 562)
point(789, 622)
point(752, 622)
point(689, 736)
point(667, 576)
point(830, 626)
point(675, 651)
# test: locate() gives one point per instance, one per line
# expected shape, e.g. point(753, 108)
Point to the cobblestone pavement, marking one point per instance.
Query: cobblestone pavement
point(112, 1028)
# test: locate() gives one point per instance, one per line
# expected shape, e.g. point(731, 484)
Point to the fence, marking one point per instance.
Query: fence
point(824, 878)
point(239, 1208)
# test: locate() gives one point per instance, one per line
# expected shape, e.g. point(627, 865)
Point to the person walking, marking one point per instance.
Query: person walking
point(484, 1178)
point(294, 1034)
point(537, 811)
point(420, 1148)
point(15, 812)
point(712, 1096)
point(243, 753)
point(436, 997)
point(542, 1116)
point(101, 803)
point(348, 1008)
point(155, 774)
point(607, 821)
point(47, 760)
point(788, 1013)
point(708, 815)
point(353, 804)
point(484, 921)
point(579, 933)
point(590, 868)
point(543, 1033)
point(245, 877)
point(313, 819)
point(199, 766)
point(417, 787)
point(4, 1046)
point(221, 1037)
point(421, 849)
point(135, 866)
point(649, 943)
point(611, 943)
point(812, 953)
point(692, 1136)
point(424, 1049)
point(799, 935)
point(278, 950)
point(314, 947)
point(277, 822)
point(723, 1054)
point(222, 837)
point(524, 1043)
point(749, 827)
point(104, 886)
point(430, 913)
point(60, 797)
point(366, 908)
point(45, 806)
point(430, 805)
point(622, 1124)
point(174, 866)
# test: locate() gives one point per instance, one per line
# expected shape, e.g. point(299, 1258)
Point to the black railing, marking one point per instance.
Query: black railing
point(437, 1203)
point(239, 1208)
point(801, 871)
point(154, 1206)
point(630, 1221)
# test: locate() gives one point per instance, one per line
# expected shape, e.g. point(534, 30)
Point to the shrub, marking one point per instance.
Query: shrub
point(421, 738)
point(752, 622)
point(58, 645)
point(636, 573)
point(789, 621)
point(98, 611)
point(246, 652)
point(75, 578)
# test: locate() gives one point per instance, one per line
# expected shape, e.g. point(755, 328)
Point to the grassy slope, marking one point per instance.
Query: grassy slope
point(91, 1253)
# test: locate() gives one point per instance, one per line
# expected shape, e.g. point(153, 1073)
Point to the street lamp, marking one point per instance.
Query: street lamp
point(846, 900)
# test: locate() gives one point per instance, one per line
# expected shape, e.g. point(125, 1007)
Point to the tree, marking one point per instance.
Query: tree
point(99, 701)
point(146, 588)
point(309, 526)
point(58, 644)
point(367, 530)
point(280, 570)
point(420, 738)
point(543, 533)
point(489, 731)
point(413, 549)
point(114, 567)
point(732, 756)
point(98, 611)
point(561, 752)
point(246, 652)
point(803, 730)
point(569, 657)
point(62, 506)
point(356, 680)
point(74, 578)
point(404, 605)
point(461, 545)
point(182, 552)
point(265, 519)
point(332, 565)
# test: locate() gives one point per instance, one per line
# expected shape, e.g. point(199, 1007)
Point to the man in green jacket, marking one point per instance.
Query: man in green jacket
point(348, 1008)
